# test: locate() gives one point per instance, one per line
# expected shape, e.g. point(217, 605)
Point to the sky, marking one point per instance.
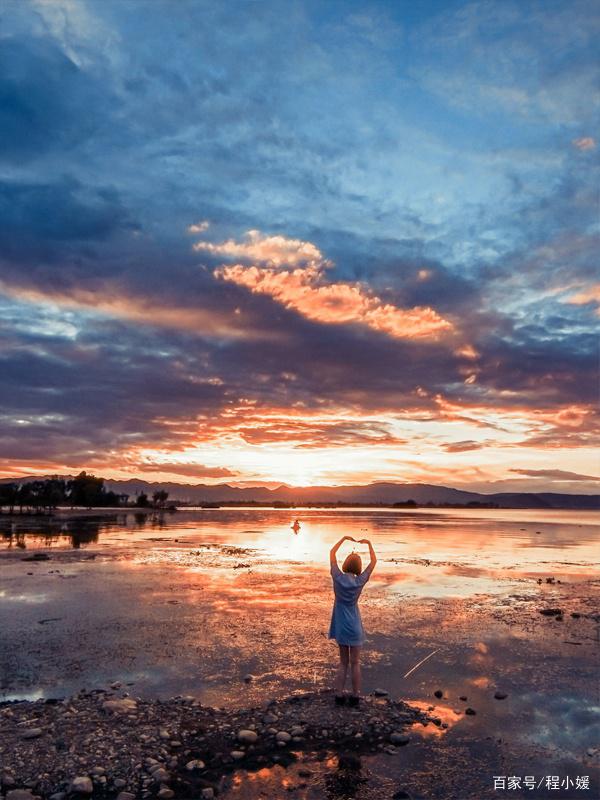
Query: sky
point(301, 242)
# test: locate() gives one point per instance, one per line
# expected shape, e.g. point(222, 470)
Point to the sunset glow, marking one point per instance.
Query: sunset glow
point(371, 257)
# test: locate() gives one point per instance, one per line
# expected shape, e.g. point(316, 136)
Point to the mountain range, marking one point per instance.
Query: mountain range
point(380, 492)
point(384, 493)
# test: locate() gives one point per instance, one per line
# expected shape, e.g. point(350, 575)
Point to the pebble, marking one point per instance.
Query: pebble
point(207, 793)
point(32, 733)
point(500, 695)
point(247, 736)
point(237, 754)
point(248, 678)
point(195, 764)
point(380, 693)
point(283, 736)
point(20, 794)
point(438, 693)
point(125, 796)
point(463, 697)
point(120, 706)
point(399, 738)
point(165, 793)
point(470, 711)
point(160, 775)
point(82, 785)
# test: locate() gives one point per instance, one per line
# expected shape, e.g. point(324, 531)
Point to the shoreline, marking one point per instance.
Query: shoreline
point(113, 746)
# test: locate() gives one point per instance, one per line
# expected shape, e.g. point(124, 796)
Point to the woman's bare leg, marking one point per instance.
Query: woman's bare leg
point(342, 671)
point(355, 670)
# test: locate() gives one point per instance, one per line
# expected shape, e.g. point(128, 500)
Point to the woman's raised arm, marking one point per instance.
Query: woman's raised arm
point(373, 557)
point(336, 547)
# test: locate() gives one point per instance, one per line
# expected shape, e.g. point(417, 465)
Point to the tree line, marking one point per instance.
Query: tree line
point(84, 490)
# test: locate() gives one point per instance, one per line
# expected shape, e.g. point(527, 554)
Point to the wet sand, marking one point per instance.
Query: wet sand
point(190, 604)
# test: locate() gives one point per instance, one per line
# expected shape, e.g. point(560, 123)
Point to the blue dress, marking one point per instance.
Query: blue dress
point(346, 625)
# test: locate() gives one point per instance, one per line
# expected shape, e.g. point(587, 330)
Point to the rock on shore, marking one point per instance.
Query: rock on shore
point(98, 745)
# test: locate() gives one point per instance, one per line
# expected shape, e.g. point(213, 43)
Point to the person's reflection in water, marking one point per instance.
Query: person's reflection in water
point(347, 779)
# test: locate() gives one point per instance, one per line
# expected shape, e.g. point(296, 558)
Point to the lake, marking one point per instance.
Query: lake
point(190, 603)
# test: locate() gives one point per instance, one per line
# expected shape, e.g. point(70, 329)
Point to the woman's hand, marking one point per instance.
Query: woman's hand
point(364, 541)
point(349, 539)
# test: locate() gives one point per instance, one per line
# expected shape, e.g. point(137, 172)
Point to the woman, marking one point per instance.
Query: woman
point(346, 625)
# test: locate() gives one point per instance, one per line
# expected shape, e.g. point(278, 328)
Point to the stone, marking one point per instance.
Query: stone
point(399, 739)
point(58, 796)
point(550, 612)
point(380, 693)
point(82, 785)
point(119, 783)
point(207, 793)
point(297, 730)
point(463, 697)
point(32, 733)
point(269, 719)
point(125, 796)
point(470, 711)
point(438, 693)
point(164, 793)
point(160, 775)
point(195, 763)
point(401, 795)
point(283, 736)
point(20, 794)
point(127, 704)
point(248, 678)
point(247, 736)
point(237, 754)
point(500, 695)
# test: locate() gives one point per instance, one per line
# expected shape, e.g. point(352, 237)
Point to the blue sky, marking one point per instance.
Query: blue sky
point(436, 159)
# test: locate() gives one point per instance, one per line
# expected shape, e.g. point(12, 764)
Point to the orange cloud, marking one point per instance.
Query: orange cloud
point(584, 143)
point(590, 294)
point(199, 227)
point(274, 251)
point(112, 299)
point(292, 272)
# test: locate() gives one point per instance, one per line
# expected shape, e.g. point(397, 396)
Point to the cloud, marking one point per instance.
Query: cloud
point(556, 474)
point(199, 227)
point(463, 447)
point(115, 299)
point(188, 470)
point(589, 294)
point(273, 251)
point(292, 272)
point(584, 143)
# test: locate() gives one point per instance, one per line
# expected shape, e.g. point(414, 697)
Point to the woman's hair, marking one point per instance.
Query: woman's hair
point(352, 564)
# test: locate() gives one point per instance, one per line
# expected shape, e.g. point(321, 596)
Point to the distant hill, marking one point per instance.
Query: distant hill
point(385, 493)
